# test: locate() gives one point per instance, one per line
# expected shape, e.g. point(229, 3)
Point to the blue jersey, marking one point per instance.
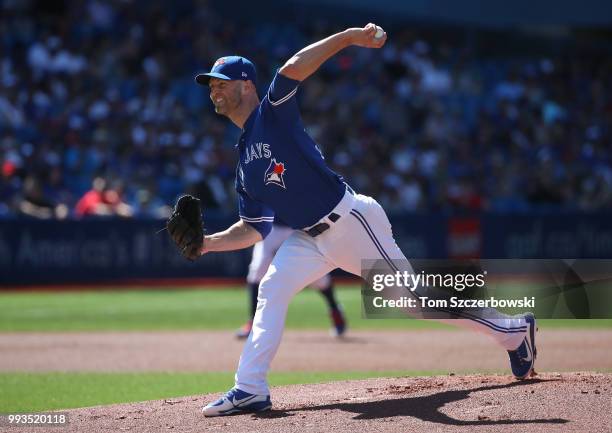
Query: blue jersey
point(281, 171)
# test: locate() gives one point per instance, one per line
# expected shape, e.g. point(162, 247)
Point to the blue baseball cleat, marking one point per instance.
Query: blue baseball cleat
point(237, 401)
point(522, 360)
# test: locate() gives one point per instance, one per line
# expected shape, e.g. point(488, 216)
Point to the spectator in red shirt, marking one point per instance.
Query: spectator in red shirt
point(102, 201)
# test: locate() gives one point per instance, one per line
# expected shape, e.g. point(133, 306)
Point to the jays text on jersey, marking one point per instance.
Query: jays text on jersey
point(281, 171)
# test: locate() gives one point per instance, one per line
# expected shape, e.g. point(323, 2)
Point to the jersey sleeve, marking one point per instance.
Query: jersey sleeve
point(281, 97)
point(254, 213)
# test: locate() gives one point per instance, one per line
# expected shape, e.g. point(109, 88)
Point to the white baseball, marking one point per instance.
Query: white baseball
point(379, 32)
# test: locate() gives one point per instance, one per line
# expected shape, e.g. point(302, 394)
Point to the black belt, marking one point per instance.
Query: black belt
point(316, 230)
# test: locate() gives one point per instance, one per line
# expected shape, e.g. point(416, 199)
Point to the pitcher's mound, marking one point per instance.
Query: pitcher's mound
point(550, 402)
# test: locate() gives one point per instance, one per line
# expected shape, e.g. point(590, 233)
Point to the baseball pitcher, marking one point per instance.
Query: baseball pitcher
point(281, 172)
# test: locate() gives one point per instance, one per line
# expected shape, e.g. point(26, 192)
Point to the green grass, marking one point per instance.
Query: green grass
point(175, 309)
point(168, 310)
point(31, 392)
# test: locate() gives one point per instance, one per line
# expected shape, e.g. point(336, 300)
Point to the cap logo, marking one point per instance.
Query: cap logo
point(221, 61)
point(244, 74)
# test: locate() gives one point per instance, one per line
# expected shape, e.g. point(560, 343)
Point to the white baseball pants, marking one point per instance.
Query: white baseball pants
point(264, 251)
point(363, 232)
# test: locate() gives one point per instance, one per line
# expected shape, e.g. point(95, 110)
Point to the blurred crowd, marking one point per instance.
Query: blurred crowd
point(99, 114)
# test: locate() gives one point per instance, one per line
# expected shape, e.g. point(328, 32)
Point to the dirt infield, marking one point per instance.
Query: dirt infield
point(551, 402)
point(450, 351)
point(567, 402)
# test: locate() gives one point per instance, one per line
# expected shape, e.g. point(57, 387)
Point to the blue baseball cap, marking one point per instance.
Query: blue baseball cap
point(229, 68)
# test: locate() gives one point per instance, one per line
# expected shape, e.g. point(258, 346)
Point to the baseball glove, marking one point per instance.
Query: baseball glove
point(185, 226)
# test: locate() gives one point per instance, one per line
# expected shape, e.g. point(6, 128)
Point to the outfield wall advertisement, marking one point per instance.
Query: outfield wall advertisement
point(55, 252)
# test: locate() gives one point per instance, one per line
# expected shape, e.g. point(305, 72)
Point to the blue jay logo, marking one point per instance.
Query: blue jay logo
point(274, 173)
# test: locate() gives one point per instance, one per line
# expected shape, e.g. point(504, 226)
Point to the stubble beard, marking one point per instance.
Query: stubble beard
point(232, 102)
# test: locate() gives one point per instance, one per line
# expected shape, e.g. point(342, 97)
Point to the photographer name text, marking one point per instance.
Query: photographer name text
point(453, 302)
